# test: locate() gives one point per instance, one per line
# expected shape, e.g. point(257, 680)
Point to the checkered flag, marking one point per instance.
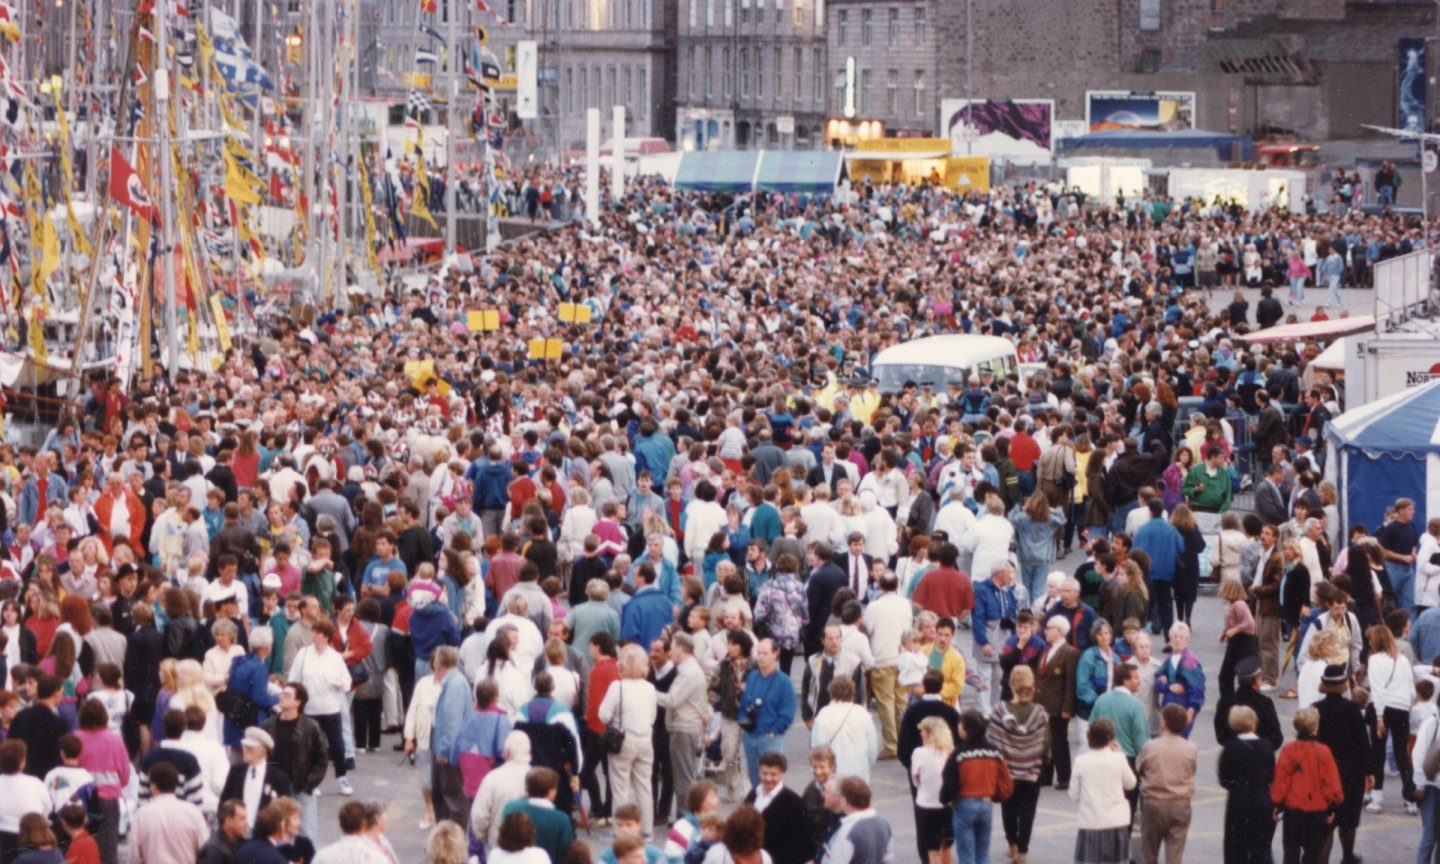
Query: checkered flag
point(419, 103)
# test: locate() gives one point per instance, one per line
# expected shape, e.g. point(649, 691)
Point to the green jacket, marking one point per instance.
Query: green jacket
point(553, 831)
point(1215, 497)
point(1125, 711)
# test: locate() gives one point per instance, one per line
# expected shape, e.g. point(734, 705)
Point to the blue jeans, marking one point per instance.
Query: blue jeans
point(756, 743)
point(309, 814)
point(1333, 283)
point(972, 830)
point(1033, 576)
point(1429, 818)
point(1387, 194)
point(1297, 288)
point(1402, 579)
point(1117, 519)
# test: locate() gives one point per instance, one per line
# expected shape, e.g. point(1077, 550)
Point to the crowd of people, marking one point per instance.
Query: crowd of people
point(602, 590)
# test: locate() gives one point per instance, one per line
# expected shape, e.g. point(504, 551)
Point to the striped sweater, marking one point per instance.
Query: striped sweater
point(1017, 730)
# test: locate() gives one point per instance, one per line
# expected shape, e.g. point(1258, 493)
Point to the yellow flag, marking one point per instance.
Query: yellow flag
point(240, 184)
point(369, 216)
point(420, 203)
point(67, 179)
point(49, 248)
point(37, 337)
point(207, 48)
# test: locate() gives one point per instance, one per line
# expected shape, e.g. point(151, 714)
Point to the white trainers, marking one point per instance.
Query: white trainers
point(347, 790)
point(1411, 809)
point(1377, 803)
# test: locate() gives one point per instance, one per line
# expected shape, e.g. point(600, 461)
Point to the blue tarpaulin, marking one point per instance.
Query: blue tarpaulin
point(783, 171)
point(730, 171)
point(1223, 144)
point(1387, 449)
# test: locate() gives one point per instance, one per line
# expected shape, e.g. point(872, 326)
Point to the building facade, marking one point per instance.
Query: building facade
point(888, 62)
point(599, 54)
point(751, 74)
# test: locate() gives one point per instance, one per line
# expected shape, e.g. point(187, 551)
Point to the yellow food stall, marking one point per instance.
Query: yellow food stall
point(917, 161)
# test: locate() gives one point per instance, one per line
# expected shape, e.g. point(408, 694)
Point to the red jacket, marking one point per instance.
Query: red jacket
point(1306, 778)
point(606, 672)
point(105, 507)
point(358, 640)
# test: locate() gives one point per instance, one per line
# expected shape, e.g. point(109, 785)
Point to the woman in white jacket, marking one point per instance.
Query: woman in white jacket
point(1427, 568)
point(1392, 691)
point(847, 729)
point(1225, 554)
point(322, 670)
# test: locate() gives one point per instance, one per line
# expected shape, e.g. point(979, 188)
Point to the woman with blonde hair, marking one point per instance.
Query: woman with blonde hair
point(85, 565)
point(1325, 647)
point(1018, 729)
point(933, 824)
point(1036, 523)
point(1239, 634)
point(191, 690)
point(630, 704)
point(217, 659)
point(1134, 600)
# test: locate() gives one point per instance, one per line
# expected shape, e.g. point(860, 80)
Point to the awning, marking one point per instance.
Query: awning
point(1313, 330)
point(791, 172)
point(894, 155)
point(1332, 357)
point(730, 171)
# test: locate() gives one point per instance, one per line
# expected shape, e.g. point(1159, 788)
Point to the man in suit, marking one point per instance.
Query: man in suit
point(856, 565)
point(254, 780)
point(1055, 691)
point(783, 812)
point(929, 705)
point(1249, 695)
point(1270, 501)
point(825, 579)
point(1270, 426)
point(1341, 725)
point(823, 667)
point(829, 472)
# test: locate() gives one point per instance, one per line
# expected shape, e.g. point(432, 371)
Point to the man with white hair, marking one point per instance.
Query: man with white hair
point(881, 538)
point(989, 543)
point(501, 786)
point(997, 601)
point(822, 520)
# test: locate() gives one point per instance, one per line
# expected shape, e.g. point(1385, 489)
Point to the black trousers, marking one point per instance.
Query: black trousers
point(1249, 833)
point(447, 790)
point(1240, 646)
point(662, 779)
point(366, 713)
point(334, 739)
point(1017, 813)
point(1057, 767)
point(1303, 836)
point(596, 759)
point(1397, 730)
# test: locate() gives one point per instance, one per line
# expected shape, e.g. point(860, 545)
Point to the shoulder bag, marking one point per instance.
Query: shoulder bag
point(614, 734)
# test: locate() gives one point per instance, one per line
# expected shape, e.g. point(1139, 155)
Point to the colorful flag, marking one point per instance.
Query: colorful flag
point(126, 187)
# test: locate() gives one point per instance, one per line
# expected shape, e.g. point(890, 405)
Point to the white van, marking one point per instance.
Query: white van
point(939, 361)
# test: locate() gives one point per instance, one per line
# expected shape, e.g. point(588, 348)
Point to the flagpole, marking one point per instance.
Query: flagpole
point(453, 55)
point(161, 83)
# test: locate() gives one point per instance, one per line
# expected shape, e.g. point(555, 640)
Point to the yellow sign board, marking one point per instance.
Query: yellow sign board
point(575, 313)
point(483, 321)
point(968, 173)
point(504, 82)
point(903, 145)
point(546, 349)
point(417, 79)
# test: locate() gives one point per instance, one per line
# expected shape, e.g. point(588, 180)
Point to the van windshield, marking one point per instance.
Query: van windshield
point(891, 377)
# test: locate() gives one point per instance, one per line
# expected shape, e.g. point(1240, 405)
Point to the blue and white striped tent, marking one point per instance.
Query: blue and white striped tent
point(1386, 450)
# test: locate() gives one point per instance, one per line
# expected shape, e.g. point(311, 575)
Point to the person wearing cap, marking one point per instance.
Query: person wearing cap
point(249, 679)
point(255, 780)
point(1248, 695)
point(1344, 730)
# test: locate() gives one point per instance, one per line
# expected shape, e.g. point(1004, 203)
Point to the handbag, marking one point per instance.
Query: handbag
point(614, 734)
point(358, 675)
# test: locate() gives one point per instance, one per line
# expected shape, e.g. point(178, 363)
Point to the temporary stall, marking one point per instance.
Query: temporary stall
point(730, 171)
point(783, 171)
point(1333, 357)
point(1309, 330)
point(1105, 177)
point(1252, 189)
point(1385, 450)
point(1174, 147)
point(918, 160)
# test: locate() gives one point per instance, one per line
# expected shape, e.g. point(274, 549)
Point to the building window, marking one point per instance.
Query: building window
point(799, 17)
point(799, 74)
point(1217, 14)
point(584, 88)
point(744, 66)
point(694, 14)
point(818, 70)
point(709, 72)
point(892, 91)
point(759, 73)
point(894, 34)
point(779, 74)
point(819, 14)
point(729, 72)
point(612, 93)
point(569, 89)
point(842, 24)
point(709, 13)
point(643, 95)
point(744, 11)
point(920, 25)
point(866, 30)
point(1150, 59)
point(629, 95)
point(690, 71)
point(919, 92)
point(779, 12)
point(1149, 14)
point(865, 104)
point(840, 90)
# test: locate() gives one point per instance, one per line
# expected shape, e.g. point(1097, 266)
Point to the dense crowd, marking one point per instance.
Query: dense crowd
point(601, 589)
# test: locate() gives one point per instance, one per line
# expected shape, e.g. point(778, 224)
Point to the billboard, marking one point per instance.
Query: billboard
point(526, 80)
point(1015, 130)
point(1410, 59)
point(1107, 110)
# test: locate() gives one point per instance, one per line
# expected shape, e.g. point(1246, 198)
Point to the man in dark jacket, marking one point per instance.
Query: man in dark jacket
point(1269, 311)
point(825, 579)
point(415, 546)
point(257, 772)
point(1342, 729)
point(41, 727)
point(783, 812)
point(230, 830)
point(300, 752)
point(490, 479)
point(1248, 694)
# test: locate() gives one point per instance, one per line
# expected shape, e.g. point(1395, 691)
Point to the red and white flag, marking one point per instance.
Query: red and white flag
point(126, 187)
